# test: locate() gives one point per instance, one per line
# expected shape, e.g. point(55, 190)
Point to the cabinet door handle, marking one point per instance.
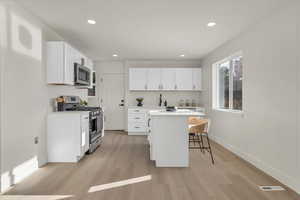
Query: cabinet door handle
point(137, 118)
point(162, 86)
point(146, 87)
point(136, 127)
point(175, 87)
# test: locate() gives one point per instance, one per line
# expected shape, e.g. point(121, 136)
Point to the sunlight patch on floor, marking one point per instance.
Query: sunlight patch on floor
point(35, 197)
point(98, 188)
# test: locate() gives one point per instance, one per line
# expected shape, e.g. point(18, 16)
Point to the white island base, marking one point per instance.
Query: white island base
point(168, 138)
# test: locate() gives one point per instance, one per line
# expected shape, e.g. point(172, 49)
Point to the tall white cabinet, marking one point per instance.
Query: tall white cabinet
point(169, 79)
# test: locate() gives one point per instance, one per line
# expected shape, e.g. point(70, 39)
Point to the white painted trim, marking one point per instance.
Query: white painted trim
point(275, 173)
point(229, 110)
point(3, 44)
point(215, 85)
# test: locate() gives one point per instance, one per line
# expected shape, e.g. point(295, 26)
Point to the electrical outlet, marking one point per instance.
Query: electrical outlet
point(36, 140)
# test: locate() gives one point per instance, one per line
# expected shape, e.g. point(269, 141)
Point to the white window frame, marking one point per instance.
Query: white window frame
point(215, 85)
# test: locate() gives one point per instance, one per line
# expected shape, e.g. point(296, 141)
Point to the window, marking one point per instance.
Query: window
point(228, 84)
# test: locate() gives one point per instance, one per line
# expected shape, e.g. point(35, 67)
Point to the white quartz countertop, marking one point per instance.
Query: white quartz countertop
point(68, 112)
point(149, 107)
point(175, 113)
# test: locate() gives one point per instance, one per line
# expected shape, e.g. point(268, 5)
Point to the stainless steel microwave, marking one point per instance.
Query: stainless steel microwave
point(82, 75)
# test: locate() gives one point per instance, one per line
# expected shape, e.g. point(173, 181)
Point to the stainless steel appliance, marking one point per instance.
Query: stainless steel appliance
point(72, 103)
point(82, 75)
point(92, 90)
point(96, 126)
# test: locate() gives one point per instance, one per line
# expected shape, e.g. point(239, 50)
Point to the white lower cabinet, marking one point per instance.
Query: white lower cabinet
point(137, 121)
point(67, 136)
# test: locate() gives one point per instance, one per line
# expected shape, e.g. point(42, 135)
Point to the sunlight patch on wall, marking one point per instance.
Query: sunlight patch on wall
point(25, 37)
point(98, 188)
point(3, 26)
point(35, 197)
point(18, 173)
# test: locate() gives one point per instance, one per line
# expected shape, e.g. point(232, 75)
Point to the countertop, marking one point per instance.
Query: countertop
point(68, 112)
point(149, 107)
point(175, 113)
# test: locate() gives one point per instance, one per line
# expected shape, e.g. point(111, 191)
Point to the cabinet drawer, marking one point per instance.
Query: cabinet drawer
point(139, 117)
point(137, 110)
point(137, 127)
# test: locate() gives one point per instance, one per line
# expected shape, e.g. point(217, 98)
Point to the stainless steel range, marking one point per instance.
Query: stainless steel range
point(72, 103)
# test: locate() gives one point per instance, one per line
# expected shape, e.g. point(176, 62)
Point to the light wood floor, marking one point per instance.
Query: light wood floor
point(123, 157)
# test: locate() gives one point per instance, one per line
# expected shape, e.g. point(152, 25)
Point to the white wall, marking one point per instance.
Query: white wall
point(25, 96)
point(267, 134)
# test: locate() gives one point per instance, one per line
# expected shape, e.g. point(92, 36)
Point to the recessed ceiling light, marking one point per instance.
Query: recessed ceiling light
point(115, 55)
point(182, 55)
point(91, 21)
point(211, 24)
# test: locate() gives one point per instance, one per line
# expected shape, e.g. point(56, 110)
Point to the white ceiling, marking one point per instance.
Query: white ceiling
point(150, 29)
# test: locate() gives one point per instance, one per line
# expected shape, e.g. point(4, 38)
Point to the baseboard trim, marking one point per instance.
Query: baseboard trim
point(271, 171)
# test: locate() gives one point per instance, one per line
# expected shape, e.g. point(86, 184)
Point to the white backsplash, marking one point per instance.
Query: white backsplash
point(63, 90)
point(173, 98)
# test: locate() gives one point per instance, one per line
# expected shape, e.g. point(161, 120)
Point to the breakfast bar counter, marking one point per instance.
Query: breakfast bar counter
point(168, 137)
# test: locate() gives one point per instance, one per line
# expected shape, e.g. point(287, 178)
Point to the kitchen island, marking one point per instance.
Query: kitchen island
point(168, 137)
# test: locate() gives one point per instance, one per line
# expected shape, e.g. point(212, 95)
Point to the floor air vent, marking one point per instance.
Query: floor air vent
point(271, 188)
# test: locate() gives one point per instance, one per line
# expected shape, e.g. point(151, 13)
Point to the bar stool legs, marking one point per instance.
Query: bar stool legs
point(209, 149)
point(198, 138)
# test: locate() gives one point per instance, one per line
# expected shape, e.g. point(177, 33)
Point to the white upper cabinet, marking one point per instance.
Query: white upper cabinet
point(154, 79)
point(197, 79)
point(60, 62)
point(168, 79)
point(55, 62)
point(60, 65)
point(184, 80)
point(69, 65)
point(138, 79)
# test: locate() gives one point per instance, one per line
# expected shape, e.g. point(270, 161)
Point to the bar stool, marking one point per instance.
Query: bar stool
point(199, 128)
